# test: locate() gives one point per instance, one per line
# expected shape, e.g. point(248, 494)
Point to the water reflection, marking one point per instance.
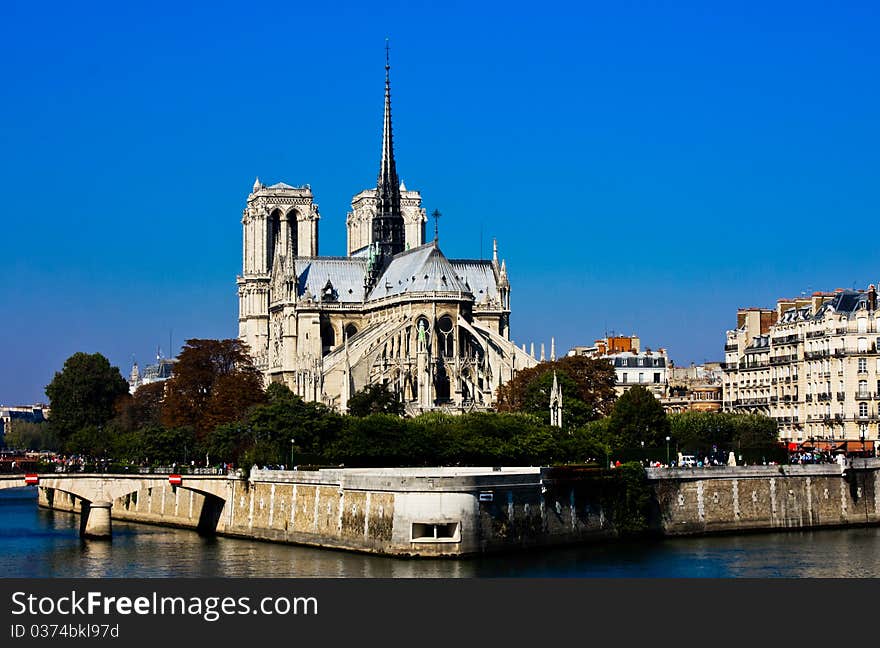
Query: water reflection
point(38, 543)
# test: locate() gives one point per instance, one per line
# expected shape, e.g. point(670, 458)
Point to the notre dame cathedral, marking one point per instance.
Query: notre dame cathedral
point(396, 311)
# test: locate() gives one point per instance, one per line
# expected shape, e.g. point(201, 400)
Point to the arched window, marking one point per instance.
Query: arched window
point(350, 331)
point(328, 337)
point(445, 331)
point(273, 237)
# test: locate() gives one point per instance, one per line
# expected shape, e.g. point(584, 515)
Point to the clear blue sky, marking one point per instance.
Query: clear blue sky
point(646, 167)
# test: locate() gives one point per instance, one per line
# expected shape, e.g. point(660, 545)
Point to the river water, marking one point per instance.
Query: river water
point(39, 543)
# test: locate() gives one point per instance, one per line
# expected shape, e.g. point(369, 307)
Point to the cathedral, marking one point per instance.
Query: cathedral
point(395, 311)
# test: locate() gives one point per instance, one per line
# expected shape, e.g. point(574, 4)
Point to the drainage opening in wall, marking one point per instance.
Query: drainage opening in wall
point(436, 532)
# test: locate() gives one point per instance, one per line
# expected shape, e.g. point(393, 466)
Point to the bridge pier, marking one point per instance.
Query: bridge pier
point(97, 520)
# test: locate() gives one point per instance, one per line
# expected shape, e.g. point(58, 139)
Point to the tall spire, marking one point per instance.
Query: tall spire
point(388, 228)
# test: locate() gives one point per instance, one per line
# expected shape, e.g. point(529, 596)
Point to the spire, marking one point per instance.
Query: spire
point(257, 184)
point(555, 404)
point(388, 220)
point(542, 352)
point(495, 252)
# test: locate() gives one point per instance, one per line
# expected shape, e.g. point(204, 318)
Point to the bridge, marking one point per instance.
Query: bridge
point(96, 493)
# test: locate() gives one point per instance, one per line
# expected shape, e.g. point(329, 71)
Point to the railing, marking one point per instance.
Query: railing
point(815, 355)
point(841, 396)
point(785, 359)
point(864, 395)
point(731, 347)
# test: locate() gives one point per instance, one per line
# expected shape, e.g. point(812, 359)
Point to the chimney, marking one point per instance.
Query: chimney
point(872, 297)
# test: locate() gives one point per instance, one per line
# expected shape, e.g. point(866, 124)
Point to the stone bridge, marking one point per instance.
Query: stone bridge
point(97, 493)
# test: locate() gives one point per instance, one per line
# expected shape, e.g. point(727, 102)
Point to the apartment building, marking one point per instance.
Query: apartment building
point(632, 366)
point(811, 363)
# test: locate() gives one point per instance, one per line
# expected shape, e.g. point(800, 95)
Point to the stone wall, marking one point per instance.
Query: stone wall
point(695, 501)
point(456, 512)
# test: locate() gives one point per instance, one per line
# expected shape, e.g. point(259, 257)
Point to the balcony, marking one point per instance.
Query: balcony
point(808, 398)
point(784, 359)
point(841, 396)
point(864, 395)
point(824, 396)
point(815, 355)
point(815, 334)
point(731, 347)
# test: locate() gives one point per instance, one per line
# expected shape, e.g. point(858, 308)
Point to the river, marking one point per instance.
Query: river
point(35, 543)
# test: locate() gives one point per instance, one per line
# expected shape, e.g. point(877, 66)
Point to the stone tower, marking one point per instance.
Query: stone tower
point(279, 222)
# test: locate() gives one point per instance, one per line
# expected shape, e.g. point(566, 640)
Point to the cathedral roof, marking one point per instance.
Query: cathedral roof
point(478, 276)
point(346, 274)
point(421, 269)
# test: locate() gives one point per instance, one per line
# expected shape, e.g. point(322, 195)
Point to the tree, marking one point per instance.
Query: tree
point(587, 390)
point(26, 435)
point(84, 394)
point(265, 435)
point(638, 417)
point(214, 382)
point(143, 408)
point(374, 398)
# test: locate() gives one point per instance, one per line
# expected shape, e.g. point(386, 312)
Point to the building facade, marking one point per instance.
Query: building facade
point(632, 366)
point(159, 372)
point(394, 311)
point(811, 363)
point(697, 388)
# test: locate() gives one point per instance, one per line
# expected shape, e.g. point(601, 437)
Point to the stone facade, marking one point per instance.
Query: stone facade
point(429, 512)
point(812, 364)
point(395, 311)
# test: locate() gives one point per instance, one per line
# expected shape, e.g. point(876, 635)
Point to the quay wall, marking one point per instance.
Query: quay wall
point(403, 512)
point(458, 511)
point(721, 499)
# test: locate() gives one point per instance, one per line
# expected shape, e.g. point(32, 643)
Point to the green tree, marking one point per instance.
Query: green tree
point(26, 435)
point(84, 394)
point(374, 398)
point(587, 390)
point(264, 435)
point(638, 417)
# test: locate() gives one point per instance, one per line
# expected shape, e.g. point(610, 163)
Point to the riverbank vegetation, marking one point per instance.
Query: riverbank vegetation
point(214, 410)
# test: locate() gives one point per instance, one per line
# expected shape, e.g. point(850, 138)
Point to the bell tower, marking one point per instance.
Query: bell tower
point(279, 222)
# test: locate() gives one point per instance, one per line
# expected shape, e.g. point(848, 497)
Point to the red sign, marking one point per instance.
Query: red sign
point(31, 479)
point(175, 480)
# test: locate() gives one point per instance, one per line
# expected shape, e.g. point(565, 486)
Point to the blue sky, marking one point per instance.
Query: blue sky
point(646, 167)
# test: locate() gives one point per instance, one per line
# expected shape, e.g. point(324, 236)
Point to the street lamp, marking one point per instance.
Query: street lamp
point(292, 441)
point(667, 452)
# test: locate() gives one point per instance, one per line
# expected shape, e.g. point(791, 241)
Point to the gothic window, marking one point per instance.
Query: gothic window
point(273, 234)
point(446, 330)
point(350, 331)
point(328, 337)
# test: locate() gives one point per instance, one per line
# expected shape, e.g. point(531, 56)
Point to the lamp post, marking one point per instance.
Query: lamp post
point(292, 441)
point(667, 452)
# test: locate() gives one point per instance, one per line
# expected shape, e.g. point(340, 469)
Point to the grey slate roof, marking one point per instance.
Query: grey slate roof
point(345, 273)
point(421, 269)
point(478, 276)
